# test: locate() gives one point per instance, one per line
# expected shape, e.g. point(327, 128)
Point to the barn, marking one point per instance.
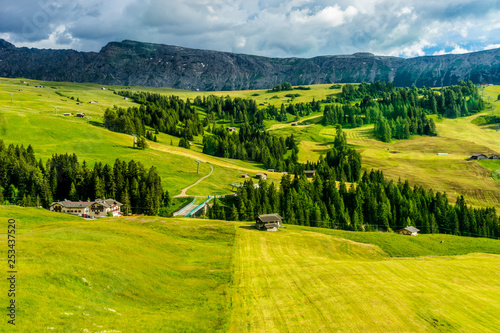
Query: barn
point(409, 231)
point(268, 222)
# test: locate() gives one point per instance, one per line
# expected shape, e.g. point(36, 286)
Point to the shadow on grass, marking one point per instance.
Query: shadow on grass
point(248, 227)
point(95, 123)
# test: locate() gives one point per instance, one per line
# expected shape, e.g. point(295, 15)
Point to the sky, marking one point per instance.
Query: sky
point(273, 28)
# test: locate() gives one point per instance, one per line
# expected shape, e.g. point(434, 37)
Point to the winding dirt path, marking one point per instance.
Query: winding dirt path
point(183, 192)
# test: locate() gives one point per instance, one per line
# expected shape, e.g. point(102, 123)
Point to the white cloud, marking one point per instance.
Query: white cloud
point(279, 28)
point(491, 46)
point(413, 50)
point(456, 50)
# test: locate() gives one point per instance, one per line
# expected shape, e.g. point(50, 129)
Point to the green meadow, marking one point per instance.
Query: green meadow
point(119, 275)
point(150, 274)
point(304, 279)
point(31, 119)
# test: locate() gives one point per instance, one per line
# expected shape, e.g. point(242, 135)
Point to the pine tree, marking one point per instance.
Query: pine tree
point(73, 194)
point(234, 214)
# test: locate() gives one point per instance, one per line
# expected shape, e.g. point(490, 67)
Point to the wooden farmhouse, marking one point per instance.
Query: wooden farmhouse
point(231, 129)
point(409, 231)
point(478, 157)
point(310, 173)
point(67, 114)
point(494, 157)
point(92, 209)
point(268, 222)
point(261, 175)
point(294, 123)
point(245, 175)
point(80, 114)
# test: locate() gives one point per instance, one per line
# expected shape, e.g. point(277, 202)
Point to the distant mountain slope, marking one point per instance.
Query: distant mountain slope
point(156, 65)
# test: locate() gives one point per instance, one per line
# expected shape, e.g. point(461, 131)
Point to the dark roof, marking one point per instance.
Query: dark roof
point(266, 218)
point(310, 171)
point(411, 229)
point(83, 204)
point(74, 204)
point(108, 202)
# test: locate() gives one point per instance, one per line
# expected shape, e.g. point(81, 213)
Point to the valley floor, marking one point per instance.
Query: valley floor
point(296, 281)
point(193, 275)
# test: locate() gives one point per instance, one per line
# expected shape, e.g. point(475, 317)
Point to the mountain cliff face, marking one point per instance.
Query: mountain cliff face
point(156, 65)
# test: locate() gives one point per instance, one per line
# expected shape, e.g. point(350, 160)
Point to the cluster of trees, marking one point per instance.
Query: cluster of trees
point(166, 114)
point(285, 86)
point(298, 110)
point(140, 142)
point(152, 136)
point(235, 110)
point(372, 204)
point(401, 112)
point(28, 182)
point(250, 143)
point(400, 121)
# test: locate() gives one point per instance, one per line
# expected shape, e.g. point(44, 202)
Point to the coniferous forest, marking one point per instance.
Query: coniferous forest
point(368, 203)
point(400, 112)
point(28, 182)
point(338, 196)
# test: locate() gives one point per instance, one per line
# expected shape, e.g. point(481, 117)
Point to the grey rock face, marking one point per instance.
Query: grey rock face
point(156, 65)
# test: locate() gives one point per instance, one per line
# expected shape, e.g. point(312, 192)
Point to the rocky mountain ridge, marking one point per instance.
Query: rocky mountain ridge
point(157, 65)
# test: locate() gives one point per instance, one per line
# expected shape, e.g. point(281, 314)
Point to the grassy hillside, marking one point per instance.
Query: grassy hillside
point(299, 279)
point(120, 275)
point(169, 275)
point(416, 159)
point(31, 119)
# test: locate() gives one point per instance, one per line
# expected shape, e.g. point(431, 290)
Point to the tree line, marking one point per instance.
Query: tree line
point(166, 114)
point(400, 112)
point(28, 182)
point(250, 143)
point(373, 203)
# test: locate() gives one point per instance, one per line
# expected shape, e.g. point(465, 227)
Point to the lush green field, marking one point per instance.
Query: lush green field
point(31, 119)
point(159, 275)
point(416, 159)
point(119, 275)
point(304, 279)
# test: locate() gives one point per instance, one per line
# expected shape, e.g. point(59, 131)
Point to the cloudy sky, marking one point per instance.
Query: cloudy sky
point(276, 28)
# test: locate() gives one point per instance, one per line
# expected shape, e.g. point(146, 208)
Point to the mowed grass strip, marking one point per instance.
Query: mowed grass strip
point(300, 281)
point(121, 274)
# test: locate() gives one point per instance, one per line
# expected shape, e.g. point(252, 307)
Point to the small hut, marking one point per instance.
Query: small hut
point(478, 157)
point(261, 175)
point(310, 173)
point(268, 222)
point(409, 231)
